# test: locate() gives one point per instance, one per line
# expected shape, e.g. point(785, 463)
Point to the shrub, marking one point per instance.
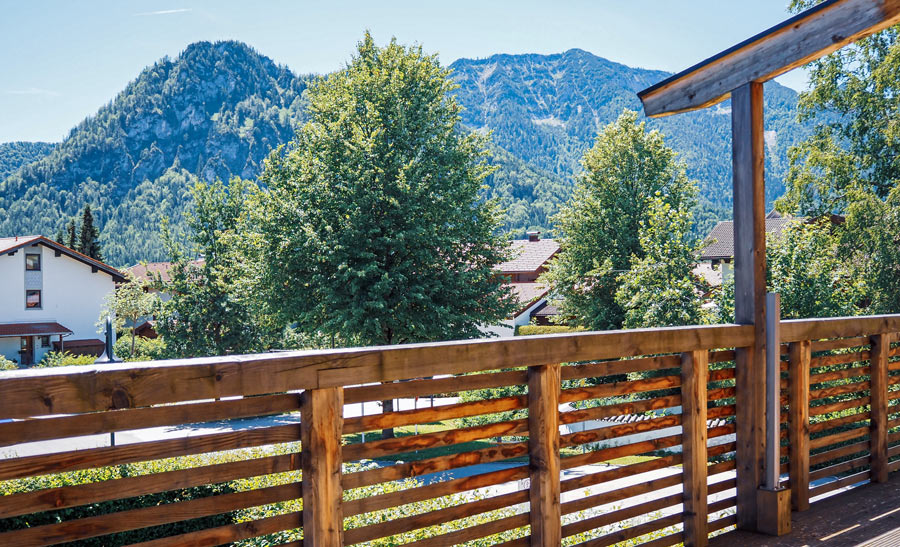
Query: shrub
point(64, 359)
point(529, 330)
point(6, 364)
point(145, 349)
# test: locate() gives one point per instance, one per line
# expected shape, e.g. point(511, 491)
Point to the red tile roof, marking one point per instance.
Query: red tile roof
point(527, 294)
point(529, 256)
point(33, 329)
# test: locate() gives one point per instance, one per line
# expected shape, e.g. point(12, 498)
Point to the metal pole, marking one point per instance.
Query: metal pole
point(773, 390)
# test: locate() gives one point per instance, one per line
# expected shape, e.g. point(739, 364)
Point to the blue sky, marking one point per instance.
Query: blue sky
point(62, 60)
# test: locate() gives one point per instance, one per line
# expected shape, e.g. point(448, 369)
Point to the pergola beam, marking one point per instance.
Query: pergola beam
point(809, 35)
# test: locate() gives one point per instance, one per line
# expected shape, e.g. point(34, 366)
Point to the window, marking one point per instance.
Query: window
point(33, 263)
point(45, 341)
point(33, 299)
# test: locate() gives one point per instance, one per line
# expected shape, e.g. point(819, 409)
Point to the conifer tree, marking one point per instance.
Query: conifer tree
point(71, 239)
point(89, 242)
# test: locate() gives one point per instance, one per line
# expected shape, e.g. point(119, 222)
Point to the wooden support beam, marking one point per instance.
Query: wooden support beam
point(805, 37)
point(798, 420)
point(878, 435)
point(321, 419)
point(749, 294)
point(543, 449)
point(694, 377)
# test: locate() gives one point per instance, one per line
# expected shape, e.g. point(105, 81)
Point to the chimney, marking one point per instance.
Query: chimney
point(533, 236)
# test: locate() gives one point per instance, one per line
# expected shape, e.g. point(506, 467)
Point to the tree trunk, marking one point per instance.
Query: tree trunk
point(387, 406)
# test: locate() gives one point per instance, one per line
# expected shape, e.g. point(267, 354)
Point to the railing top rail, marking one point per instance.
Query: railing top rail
point(794, 330)
point(128, 385)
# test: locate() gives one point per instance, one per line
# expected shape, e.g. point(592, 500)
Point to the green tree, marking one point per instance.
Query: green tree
point(371, 227)
point(71, 239)
point(873, 237)
point(806, 268)
point(88, 243)
point(600, 225)
point(660, 289)
point(854, 99)
point(206, 314)
point(128, 304)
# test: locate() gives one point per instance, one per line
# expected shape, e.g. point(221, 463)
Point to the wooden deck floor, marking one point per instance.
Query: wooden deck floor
point(868, 516)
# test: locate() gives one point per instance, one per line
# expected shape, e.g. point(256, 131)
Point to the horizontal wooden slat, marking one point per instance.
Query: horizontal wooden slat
point(839, 375)
point(836, 469)
point(839, 343)
point(840, 437)
point(434, 386)
point(838, 359)
point(69, 390)
point(590, 479)
point(819, 410)
point(721, 356)
point(601, 391)
point(153, 450)
point(432, 414)
point(834, 453)
point(722, 505)
point(619, 409)
point(840, 483)
point(418, 468)
point(222, 535)
point(478, 531)
point(42, 429)
point(794, 330)
point(133, 519)
point(619, 366)
point(612, 496)
point(856, 387)
point(604, 454)
point(623, 514)
point(378, 502)
point(71, 496)
point(433, 518)
point(816, 427)
point(722, 523)
point(401, 445)
point(618, 431)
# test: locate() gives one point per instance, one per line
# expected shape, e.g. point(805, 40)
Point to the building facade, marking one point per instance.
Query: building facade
point(51, 298)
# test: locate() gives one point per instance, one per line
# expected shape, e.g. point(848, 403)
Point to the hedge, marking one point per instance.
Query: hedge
point(529, 330)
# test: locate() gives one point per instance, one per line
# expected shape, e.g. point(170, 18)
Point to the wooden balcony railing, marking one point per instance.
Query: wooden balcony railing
point(273, 449)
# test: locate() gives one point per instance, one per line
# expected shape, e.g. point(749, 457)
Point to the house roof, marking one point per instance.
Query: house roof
point(527, 294)
point(146, 271)
point(12, 244)
point(719, 244)
point(32, 329)
point(528, 256)
point(547, 310)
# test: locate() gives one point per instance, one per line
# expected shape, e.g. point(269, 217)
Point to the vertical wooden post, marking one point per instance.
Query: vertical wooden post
point(748, 159)
point(543, 451)
point(798, 423)
point(694, 377)
point(879, 407)
point(321, 422)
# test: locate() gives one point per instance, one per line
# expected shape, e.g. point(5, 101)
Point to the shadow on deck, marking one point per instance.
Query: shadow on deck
point(868, 516)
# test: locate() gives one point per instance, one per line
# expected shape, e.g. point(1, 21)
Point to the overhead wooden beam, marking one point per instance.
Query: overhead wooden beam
point(805, 37)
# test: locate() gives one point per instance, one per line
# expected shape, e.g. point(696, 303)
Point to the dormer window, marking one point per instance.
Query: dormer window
point(32, 262)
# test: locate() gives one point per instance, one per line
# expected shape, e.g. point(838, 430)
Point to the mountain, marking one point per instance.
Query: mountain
point(219, 108)
point(14, 155)
point(215, 111)
point(547, 109)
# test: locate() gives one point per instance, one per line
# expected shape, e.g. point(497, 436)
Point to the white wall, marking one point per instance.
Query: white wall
point(72, 296)
point(508, 327)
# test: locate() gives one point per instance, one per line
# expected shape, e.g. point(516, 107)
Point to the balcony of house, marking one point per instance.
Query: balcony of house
point(651, 437)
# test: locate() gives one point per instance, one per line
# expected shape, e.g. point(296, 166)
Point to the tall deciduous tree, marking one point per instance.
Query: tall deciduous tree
point(660, 289)
point(624, 170)
point(129, 303)
point(372, 228)
point(872, 236)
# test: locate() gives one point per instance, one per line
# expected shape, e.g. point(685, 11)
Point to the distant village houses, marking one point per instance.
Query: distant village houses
point(51, 298)
point(530, 259)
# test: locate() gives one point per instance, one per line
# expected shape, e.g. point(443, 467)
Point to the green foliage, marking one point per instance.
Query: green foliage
point(806, 268)
point(529, 330)
point(64, 359)
point(872, 238)
point(145, 349)
point(130, 302)
point(724, 298)
point(207, 313)
point(371, 227)
point(6, 364)
point(88, 243)
point(14, 155)
point(660, 289)
point(600, 225)
point(853, 100)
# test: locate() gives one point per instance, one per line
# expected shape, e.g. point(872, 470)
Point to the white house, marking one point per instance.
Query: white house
point(51, 297)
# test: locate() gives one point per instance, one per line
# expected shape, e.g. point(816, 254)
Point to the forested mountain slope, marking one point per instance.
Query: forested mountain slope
point(219, 108)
